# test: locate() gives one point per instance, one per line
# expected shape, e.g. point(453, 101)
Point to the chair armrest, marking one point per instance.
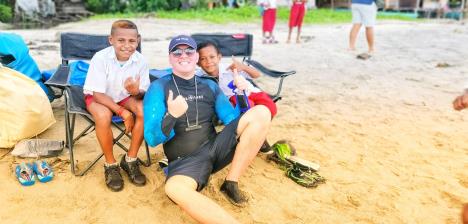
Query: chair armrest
point(60, 78)
point(266, 71)
point(272, 73)
point(75, 100)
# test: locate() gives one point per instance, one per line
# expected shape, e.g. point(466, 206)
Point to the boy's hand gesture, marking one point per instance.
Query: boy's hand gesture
point(132, 85)
point(129, 121)
point(236, 65)
point(239, 81)
point(176, 107)
point(461, 102)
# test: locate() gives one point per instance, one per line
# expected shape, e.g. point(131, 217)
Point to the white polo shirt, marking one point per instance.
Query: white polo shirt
point(107, 75)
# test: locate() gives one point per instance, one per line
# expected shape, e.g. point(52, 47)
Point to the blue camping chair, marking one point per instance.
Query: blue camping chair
point(76, 46)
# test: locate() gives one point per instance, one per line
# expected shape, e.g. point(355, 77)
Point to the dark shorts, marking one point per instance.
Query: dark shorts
point(209, 158)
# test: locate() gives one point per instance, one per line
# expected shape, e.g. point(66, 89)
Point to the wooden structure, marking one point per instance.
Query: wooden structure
point(49, 12)
point(70, 10)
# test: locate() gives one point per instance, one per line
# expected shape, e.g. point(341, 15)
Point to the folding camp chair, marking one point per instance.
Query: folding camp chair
point(242, 45)
point(75, 46)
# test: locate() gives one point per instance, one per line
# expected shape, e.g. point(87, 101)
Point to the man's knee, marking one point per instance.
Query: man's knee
point(260, 114)
point(177, 187)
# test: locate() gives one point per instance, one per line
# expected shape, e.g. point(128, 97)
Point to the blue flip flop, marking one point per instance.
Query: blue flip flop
point(24, 174)
point(43, 171)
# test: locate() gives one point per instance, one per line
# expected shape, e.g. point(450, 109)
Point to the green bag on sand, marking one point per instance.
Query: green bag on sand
point(299, 170)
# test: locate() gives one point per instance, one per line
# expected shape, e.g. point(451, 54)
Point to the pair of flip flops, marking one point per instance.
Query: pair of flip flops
point(301, 171)
point(26, 172)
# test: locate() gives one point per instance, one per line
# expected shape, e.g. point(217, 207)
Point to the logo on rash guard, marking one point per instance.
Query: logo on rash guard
point(192, 97)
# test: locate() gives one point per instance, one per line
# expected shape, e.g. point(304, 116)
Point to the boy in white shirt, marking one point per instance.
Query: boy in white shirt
point(117, 79)
point(209, 62)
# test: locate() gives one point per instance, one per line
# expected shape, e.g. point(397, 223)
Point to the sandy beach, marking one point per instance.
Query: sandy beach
point(383, 130)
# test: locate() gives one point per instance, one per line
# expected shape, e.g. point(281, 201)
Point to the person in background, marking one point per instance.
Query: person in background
point(364, 13)
point(296, 17)
point(269, 20)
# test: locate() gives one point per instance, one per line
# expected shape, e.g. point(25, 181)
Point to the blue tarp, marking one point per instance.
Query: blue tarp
point(14, 45)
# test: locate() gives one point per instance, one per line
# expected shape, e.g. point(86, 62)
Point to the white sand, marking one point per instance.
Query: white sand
point(389, 143)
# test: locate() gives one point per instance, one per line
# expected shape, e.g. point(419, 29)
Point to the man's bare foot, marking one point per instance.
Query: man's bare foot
point(288, 41)
point(351, 49)
point(298, 41)
point(370, 51)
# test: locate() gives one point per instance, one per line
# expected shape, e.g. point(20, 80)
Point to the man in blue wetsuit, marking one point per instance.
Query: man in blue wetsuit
point(178, 112)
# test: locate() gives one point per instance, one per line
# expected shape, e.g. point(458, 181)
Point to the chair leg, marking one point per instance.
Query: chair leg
point(69, 139)
point(148, 157)
point(69, 126)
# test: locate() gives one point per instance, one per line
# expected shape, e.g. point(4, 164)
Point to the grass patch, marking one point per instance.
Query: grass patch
point(250, 14)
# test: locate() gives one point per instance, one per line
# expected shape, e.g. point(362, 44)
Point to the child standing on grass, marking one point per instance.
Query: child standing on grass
point(296, 17)
point(269, 20)
point(209, 62)
point(117, 79)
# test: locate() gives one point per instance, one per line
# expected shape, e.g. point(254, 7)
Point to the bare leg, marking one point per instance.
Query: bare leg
point(102, 117)
point(353, 35)
point(289, 35)
point(298, 38)
point(370, 38)
point(136, 107)
point(182, 190)
point(252, 128)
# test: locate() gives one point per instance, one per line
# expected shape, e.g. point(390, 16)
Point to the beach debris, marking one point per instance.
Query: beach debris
point(34, 148)
point(306, 39)
point(363, 56)
point(443, 65)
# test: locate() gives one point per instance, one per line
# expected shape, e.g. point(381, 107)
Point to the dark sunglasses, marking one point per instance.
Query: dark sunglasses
point(178, 52)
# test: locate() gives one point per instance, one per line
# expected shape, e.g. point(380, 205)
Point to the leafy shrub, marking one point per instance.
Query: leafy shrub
point(103, 6)
point(5, 13)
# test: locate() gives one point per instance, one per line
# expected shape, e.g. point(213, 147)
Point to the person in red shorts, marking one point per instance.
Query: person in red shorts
point(117, 80)
point(296, 17)
point(209, 61)
point(269, 20)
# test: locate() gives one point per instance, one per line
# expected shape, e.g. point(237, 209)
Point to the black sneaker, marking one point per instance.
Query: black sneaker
point(233, 194)
point(266, 148)
point(133, 171)
point(114, 180)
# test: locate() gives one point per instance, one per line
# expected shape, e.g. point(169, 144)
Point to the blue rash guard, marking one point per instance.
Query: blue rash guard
point(161, 127)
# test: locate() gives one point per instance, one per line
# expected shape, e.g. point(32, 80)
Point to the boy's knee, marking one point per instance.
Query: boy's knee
point(104, 116)
point(139, 110)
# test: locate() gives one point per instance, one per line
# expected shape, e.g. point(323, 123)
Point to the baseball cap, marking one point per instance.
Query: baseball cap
point(182, 39)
